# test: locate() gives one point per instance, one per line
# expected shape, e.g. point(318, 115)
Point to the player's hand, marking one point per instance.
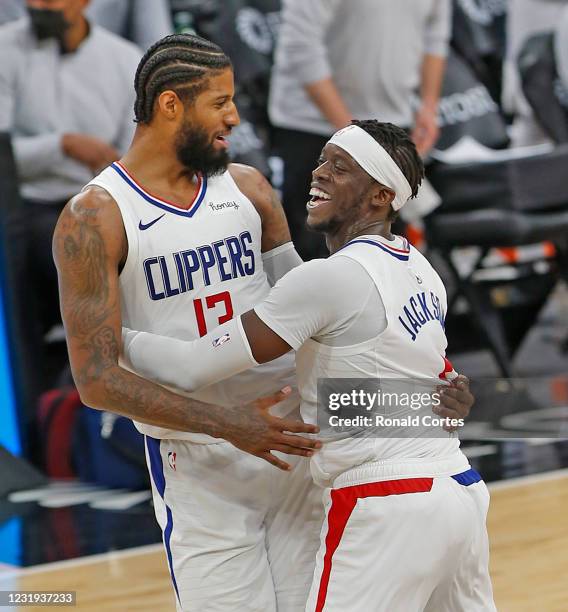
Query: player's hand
point(89, 151)
point(426, 130)
point(254, 430)
point(456, 400)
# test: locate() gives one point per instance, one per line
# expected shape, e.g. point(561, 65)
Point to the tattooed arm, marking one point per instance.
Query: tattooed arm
point(278, 253)
point(89, 247)
point(251, 182)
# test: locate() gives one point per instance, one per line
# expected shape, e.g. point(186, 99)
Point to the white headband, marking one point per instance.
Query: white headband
point(369, 154)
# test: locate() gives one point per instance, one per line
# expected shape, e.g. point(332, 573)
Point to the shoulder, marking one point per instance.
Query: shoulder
point(253, 185)
point(251, 182)
point(421, 260)
point(93, 213)
point(323, 290)
point(256, 187)
point(92, 205)
point(15, 40)
point(426, 266)
point(324, 278)
point(16, 32)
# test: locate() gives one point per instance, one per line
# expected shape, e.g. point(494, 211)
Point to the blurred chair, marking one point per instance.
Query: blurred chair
point(495, 204)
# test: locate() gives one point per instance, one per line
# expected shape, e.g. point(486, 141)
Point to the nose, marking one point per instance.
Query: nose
point(232, 118)
point(321, 171)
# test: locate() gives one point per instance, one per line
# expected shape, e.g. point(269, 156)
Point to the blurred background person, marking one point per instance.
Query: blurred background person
point(10, 10)
point(143, 22)
point(341, 60)
point(525, 18)
point(64, 103)
point(561, 46)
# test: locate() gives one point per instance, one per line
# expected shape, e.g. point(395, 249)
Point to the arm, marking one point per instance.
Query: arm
point(89, 245)
point(151, 20)
point(426, 130)
point(129, 63)
point(436, 39)
point(278, 253)
point(35, 155)
point(301, 304)
point(302, 43)
point(43, 154)
point(326, 97)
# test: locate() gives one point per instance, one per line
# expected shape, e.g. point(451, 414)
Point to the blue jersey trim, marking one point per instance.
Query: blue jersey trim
point(400, 256)
point(467, 478)
point(157, 471)
point(176, 211)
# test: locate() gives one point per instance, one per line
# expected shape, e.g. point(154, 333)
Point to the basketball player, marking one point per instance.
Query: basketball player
point(170, 241)
point(405, 517)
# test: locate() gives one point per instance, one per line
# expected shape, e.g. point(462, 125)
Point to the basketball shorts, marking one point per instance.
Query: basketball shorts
point(412, 544)
point(240, 535)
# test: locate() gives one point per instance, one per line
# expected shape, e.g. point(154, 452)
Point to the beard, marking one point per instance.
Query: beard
point(340, 220)
point(327, 226)
point(197, 154)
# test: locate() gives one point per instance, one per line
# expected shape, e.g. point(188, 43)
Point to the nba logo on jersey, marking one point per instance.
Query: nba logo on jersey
point(172, 460)
point(221, 340)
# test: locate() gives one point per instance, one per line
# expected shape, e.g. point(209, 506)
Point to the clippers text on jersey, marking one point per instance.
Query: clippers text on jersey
point(173, 274)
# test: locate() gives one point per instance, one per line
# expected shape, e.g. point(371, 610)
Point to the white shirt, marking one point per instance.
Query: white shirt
point(45, 94)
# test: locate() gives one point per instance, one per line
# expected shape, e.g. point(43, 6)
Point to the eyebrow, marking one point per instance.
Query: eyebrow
point(344, 157)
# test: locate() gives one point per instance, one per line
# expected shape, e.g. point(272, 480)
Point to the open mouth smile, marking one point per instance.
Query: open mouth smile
point(222, 140)
point(319, 197)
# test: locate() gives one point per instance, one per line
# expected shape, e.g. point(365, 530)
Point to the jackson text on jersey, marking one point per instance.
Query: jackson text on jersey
point(419, 310)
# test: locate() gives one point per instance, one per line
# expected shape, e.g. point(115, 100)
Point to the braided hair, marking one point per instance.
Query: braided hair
point(180, 62)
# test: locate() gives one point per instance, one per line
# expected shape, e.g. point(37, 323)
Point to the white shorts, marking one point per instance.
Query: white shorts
point(410, 544)
point(240, 535)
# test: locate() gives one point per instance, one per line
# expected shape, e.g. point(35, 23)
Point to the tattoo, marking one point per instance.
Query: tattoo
point(147, 402)
point(275, 201)
point(104, 350)
point(86, 256)
point(91, 316)
point(278, 232)
point(71, 247)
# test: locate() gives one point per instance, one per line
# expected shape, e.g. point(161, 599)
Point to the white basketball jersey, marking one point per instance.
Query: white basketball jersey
point(412, 347)
point(189, 270)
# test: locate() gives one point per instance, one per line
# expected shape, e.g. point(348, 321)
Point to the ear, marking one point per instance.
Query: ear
point(169, 105)
point(382, 196)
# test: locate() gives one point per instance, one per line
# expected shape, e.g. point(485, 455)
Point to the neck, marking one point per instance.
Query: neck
point(152, 160)
point(365, 227)
point(75, 34)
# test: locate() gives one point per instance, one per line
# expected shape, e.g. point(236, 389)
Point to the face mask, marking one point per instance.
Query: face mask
point(47, 24)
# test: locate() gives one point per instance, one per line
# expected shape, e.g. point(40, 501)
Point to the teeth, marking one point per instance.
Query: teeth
point(319, 194)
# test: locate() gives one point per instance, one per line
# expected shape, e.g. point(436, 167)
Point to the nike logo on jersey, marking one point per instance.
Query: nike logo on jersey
point(145, 226)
